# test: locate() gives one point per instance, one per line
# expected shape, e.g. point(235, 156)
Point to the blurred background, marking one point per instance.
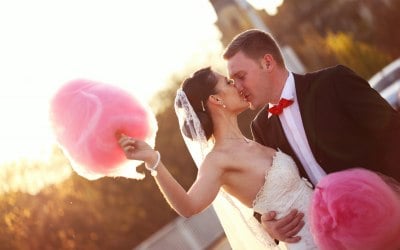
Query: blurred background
point(148, 48)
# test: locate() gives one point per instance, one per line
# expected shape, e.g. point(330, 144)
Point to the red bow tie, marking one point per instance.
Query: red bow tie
point(277, 109)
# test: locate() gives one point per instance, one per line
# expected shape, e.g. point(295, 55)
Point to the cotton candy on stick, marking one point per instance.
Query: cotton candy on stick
point(86, 116)
point(355, 209)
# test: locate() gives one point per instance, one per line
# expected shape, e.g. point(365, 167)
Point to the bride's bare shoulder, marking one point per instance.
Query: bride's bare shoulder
point(215, 159)
point(215, 156)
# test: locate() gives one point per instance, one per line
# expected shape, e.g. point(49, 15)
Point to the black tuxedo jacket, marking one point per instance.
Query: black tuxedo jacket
point(347, 123)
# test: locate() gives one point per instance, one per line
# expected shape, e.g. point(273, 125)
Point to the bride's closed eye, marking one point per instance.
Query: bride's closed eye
point(230, 81)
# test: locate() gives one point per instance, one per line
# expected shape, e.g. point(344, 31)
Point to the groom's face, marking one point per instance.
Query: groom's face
point(250, 79)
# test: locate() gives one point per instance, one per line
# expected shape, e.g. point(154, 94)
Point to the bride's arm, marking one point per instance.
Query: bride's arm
point(200, 195)
point(202, 192)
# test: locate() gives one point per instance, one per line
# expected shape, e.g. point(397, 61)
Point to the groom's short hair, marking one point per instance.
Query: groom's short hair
point(255, 44)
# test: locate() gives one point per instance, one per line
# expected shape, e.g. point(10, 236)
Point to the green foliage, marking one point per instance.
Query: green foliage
point(360, 34)
point(350, 53)
point(109, 213)
point(119, 213)
point(313, 51)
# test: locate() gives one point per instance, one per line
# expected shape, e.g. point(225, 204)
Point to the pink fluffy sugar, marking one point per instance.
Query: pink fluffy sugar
point(86, 116)
point(355, 209)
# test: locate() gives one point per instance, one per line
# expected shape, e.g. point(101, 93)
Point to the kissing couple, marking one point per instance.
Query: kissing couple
point(307, 128)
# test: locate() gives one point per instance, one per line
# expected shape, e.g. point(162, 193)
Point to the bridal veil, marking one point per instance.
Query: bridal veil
point(241, 228)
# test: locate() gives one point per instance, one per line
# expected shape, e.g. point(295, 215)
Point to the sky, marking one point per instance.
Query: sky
point(135, 45)
point(46, 43)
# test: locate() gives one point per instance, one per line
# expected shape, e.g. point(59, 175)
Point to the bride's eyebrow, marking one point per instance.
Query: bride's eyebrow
point(229, 81)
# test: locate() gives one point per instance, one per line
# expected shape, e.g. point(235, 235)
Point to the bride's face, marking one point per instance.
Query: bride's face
point(229, 95)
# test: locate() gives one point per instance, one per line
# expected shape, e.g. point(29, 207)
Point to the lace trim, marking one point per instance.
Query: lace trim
point(296, 196)
point(262, 189)
point(198, 145)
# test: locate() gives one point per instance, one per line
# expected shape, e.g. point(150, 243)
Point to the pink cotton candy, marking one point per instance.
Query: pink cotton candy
point(86, 116)
point(355, 209)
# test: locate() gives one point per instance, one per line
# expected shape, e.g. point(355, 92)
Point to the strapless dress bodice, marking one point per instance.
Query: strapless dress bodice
point(283, 191)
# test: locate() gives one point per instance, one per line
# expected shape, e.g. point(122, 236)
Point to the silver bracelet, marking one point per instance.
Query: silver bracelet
point(153, 170)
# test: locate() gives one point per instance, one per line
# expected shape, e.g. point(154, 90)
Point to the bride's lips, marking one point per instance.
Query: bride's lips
point(244, 95)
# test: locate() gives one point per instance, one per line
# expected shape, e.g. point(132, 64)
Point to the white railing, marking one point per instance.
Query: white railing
point(195, 233)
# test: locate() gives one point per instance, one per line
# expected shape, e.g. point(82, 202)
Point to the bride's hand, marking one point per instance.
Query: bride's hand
point(137, 150)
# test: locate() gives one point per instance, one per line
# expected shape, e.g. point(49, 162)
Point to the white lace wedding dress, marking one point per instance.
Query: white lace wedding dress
point(283, 191)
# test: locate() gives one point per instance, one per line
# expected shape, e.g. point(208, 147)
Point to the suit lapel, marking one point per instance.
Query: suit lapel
point(307, 107)
point(277, 133)
point(278, 140)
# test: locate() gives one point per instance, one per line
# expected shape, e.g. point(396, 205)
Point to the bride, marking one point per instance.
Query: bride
point(259, 177)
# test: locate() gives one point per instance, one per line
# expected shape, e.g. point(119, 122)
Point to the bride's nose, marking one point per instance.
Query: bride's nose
point(239, 88)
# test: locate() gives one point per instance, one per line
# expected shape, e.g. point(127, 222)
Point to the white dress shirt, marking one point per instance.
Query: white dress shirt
point(294, 131)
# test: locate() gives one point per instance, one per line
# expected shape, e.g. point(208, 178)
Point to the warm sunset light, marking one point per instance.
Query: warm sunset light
point(135, 45)
point(270, 6)
point(94, 153)
point(45, 44)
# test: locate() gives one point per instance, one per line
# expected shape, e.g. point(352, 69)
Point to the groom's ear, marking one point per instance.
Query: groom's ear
point(267, 62)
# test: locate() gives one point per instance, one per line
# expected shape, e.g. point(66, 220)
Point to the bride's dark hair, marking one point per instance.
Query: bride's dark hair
point(198, 88)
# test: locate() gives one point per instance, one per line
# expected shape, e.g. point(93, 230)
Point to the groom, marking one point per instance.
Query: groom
point(329, 120)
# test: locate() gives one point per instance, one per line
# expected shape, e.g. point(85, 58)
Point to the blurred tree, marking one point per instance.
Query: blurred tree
point(119, 213)
point(313, 51)
point(351, 53)
point(109, 213)
point(306, 26)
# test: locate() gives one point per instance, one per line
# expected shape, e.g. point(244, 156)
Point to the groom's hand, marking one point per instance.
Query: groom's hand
point(283, 229)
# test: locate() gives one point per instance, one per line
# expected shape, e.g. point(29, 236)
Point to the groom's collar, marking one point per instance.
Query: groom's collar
point(289, 89)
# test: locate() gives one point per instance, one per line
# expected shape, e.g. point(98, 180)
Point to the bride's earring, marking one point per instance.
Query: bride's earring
point(202, 106)
point(219, 101)
point(222, 103)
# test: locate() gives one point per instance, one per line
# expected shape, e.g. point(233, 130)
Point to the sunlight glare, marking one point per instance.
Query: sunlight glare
point(135, 45)
point(270, 6)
